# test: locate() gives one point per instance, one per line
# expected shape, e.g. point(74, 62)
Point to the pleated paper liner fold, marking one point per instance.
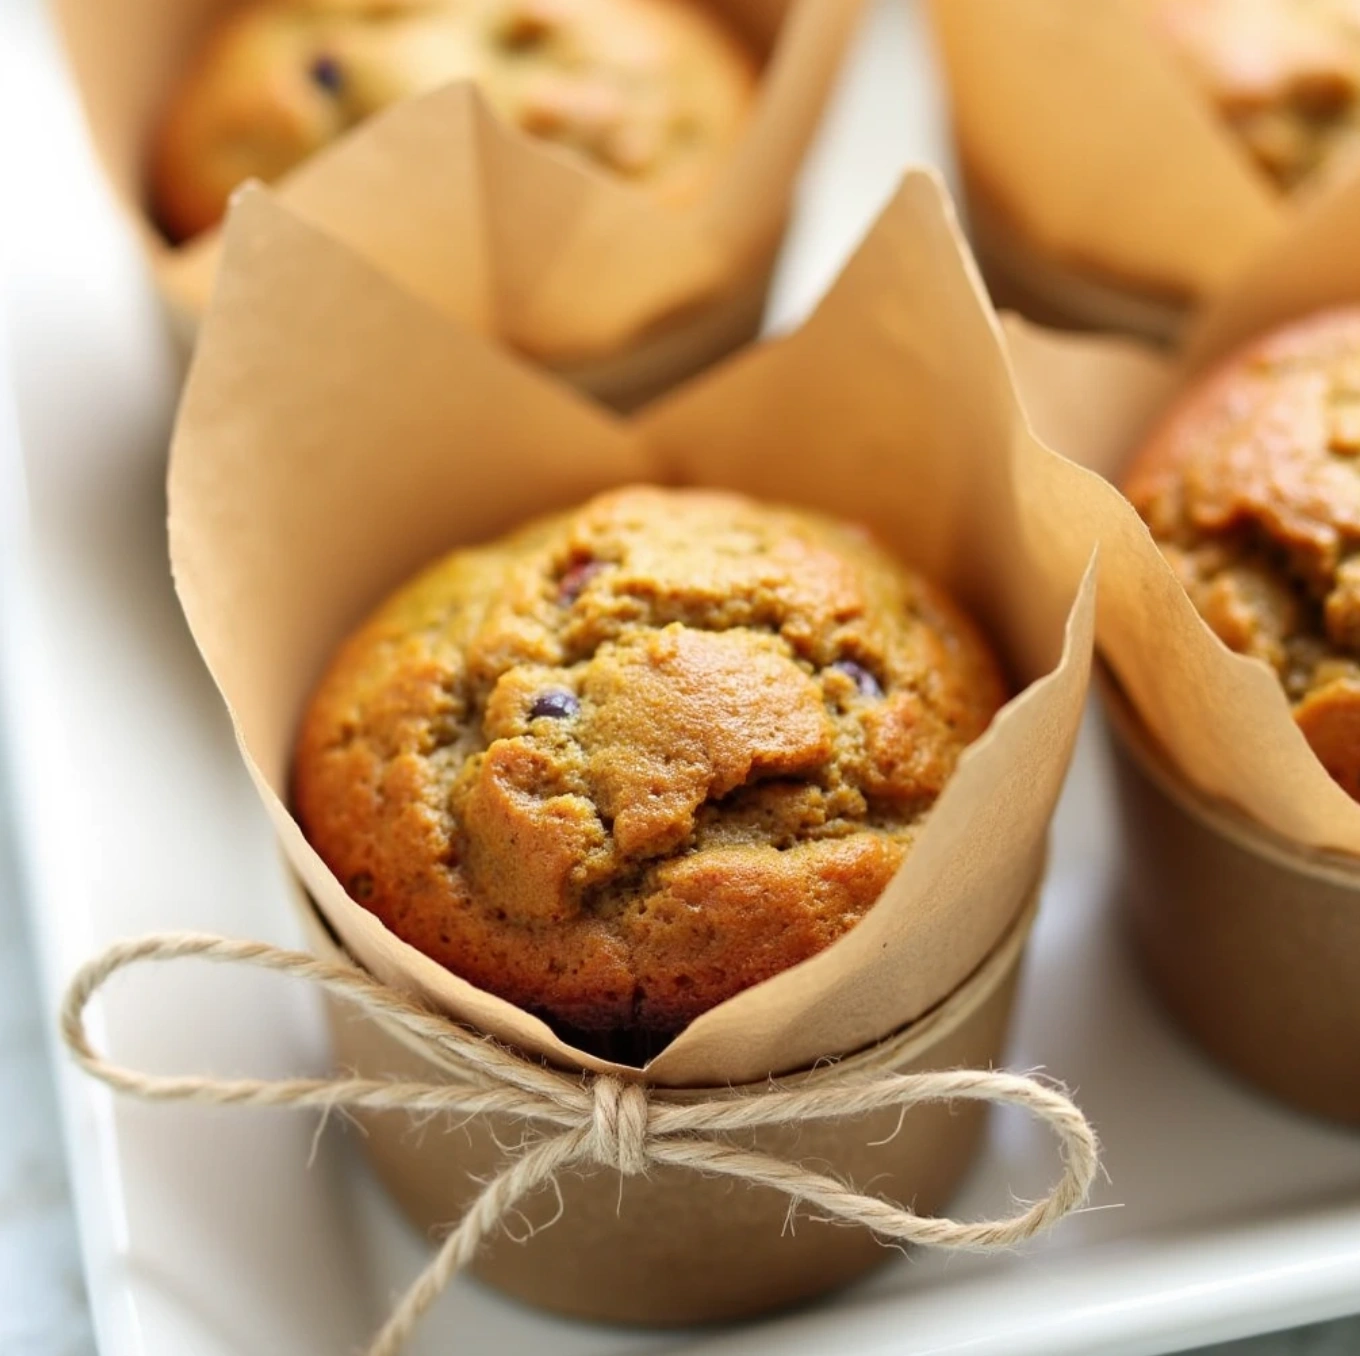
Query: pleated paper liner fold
point(585, 273)
point(1250, 927)
point(337, 433)
point(1103, 190)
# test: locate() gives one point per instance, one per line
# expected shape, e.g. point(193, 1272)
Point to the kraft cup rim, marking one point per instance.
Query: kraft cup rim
point(1220, 817)
point(892, 1052)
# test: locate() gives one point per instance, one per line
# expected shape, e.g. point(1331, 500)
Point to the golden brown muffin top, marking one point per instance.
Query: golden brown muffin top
point(655, 91)
point(635, 758)
point(1252, 489)
point(1284, 74)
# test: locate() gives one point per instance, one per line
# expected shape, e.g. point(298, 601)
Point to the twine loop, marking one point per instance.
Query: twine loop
point(602, 1121)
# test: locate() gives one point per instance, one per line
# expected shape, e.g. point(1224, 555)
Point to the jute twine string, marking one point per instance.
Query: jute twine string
point(596, 1120)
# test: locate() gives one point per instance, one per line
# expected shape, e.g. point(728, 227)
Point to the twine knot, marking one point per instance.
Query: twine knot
point(619, 1125)
point(604, 1120)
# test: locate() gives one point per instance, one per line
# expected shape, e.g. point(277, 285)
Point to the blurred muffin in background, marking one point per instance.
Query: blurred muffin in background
point(654, 91)
point(1251, 488)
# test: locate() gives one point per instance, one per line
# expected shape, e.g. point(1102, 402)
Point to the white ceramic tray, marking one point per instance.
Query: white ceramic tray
point(208, 1233)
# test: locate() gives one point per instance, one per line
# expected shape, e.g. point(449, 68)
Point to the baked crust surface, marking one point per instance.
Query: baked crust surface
point(633, 759)
point(1251, 488)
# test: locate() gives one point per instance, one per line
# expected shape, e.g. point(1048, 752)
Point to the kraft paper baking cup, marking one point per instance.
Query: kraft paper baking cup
point(1243, 884)
point(1252, 942)
point(1104, 191)
point(618, 293)
point(670, 1247)
point(337, 432)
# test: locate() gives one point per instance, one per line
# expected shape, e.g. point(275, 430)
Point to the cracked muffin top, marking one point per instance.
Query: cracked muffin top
point(655, 91)
point(635, 758)
point(1283, 74)
point(1251, 488)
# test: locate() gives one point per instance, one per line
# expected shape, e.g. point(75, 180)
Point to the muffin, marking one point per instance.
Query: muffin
point(654, 91)
point(635, 758)
point(1283, 74)
point(1251, 488)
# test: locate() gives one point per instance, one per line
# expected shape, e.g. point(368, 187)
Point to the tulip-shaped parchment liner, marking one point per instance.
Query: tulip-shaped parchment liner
point(513, 236)
point(1223, 718)
point(1081, 136)
point(337, 433)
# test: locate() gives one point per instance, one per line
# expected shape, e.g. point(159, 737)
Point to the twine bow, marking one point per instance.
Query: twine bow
point(599, 1120)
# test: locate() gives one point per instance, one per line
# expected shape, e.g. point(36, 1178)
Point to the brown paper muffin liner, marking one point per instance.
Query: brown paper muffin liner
point(670, 1247)
point(624, 297)
point(1242, 879)
point(336, 433)
point(1104, 190)
point(1251, 942)
point(1022, 277)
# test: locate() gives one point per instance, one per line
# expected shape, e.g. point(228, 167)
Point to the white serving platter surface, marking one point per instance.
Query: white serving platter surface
point(223, 1233)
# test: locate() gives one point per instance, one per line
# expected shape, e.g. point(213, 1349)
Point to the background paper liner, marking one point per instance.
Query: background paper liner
point(1021, 277)
point(1224, 717)
point(507, 234)
point(336, 434)
point(1253, 945)
point(678, 1247)
point(1081, 138)
point(1247, 919)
